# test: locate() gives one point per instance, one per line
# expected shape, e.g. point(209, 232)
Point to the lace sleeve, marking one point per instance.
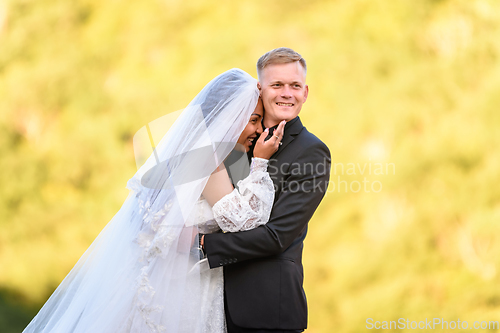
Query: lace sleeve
point(251, 205)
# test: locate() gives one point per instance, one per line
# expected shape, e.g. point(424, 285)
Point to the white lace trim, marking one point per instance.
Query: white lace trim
point(145, 293)
point(155, 239)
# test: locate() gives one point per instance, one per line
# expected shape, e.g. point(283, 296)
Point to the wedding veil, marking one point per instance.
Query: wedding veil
point(140, 274)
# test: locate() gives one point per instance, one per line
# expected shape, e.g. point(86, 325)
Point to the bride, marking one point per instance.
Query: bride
point(145, 271)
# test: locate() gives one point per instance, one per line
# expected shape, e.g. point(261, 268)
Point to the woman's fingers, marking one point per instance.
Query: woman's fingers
point(278, 134)
point(268, 147)
point(263, 136)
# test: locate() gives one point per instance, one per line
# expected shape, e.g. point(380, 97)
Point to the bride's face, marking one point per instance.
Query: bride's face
point(253, 128)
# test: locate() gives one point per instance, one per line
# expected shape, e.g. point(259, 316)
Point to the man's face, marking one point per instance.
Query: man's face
point(284, 90)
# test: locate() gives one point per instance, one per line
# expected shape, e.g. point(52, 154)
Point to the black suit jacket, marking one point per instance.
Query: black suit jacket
point(263, 267)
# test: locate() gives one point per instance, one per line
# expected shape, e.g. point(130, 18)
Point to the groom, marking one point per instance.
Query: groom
point(263, 272)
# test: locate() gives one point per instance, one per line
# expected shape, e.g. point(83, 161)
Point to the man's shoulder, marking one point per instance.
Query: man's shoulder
point(310, 141)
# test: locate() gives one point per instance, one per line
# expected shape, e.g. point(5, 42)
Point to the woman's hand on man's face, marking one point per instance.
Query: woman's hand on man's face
point(265, 149)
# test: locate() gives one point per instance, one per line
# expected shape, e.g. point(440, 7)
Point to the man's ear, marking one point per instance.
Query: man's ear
point(259, 86)
point(306, 93)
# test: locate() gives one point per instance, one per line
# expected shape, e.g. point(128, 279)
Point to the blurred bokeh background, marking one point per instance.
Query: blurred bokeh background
point(405, 93)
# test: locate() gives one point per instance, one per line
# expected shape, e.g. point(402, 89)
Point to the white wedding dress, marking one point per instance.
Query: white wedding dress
point(143, 272)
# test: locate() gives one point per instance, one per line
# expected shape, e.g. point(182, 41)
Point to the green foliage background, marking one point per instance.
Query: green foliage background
point(412, 84)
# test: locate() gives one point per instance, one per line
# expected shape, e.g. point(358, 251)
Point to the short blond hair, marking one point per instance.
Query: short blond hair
point(281, 55)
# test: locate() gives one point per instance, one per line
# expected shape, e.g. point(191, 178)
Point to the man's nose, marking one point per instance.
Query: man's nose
point(286, 92)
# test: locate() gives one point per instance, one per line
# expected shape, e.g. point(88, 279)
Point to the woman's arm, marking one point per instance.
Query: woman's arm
point(218, 186)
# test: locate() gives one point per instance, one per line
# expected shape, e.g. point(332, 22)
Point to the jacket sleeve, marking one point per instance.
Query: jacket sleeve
point(302, 191)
